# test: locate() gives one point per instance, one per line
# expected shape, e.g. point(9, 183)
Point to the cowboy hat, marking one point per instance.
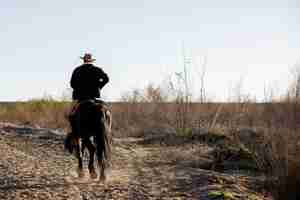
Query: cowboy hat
point(87, 57)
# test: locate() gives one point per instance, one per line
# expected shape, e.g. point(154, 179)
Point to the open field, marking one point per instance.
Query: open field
point(160, 151)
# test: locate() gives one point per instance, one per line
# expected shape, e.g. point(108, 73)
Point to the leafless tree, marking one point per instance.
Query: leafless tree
point(202, 81)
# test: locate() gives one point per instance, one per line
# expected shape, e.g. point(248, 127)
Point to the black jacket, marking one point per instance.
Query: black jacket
point(86, 81)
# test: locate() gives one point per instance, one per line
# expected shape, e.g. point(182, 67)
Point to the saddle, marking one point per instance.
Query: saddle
point(100, 104)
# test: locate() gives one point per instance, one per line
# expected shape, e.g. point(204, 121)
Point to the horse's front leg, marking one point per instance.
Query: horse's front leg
point(80, 166)
point(92, 150)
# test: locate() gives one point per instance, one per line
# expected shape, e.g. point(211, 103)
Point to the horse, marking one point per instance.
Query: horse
point(91, 123)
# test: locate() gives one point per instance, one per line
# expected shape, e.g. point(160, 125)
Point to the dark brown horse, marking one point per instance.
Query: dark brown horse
point(91, 126)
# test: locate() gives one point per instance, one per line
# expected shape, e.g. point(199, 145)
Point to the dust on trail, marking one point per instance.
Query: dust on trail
point(34, 165)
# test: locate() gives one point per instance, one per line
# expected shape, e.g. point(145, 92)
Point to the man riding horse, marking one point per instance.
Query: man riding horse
point(87, 80)
point(89, 117)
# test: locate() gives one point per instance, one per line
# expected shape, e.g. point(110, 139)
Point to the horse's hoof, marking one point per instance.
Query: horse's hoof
point(80, 173)
point(102, 178)
point(93, 175)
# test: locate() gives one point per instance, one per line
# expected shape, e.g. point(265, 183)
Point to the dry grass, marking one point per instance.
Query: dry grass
point(276, 152)
point(44, 113)
point(277, 155)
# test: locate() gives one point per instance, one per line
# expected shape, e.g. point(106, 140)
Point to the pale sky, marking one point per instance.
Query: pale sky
point(138, 42)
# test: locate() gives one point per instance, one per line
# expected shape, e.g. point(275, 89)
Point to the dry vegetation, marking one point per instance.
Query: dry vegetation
point(265, 133)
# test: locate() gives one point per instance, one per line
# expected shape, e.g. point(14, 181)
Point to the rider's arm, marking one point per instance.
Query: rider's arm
point(74, 79)
point(103, 78)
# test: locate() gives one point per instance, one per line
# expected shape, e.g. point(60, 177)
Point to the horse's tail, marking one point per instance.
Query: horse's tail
point(103, 142)
point(67, 144)
point(70, 142)
point(71, 139)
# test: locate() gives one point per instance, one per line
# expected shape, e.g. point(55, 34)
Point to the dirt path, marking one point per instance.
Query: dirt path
point(34, 166)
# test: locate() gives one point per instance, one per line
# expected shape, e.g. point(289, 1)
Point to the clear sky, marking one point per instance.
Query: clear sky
point(138, 42)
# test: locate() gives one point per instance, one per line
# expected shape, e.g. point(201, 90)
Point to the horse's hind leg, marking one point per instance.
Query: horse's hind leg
point(92, 150)
point(80, 168)
point(101, 151)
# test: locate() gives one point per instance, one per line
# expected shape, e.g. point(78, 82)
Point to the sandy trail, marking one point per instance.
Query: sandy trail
point(34, 166)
